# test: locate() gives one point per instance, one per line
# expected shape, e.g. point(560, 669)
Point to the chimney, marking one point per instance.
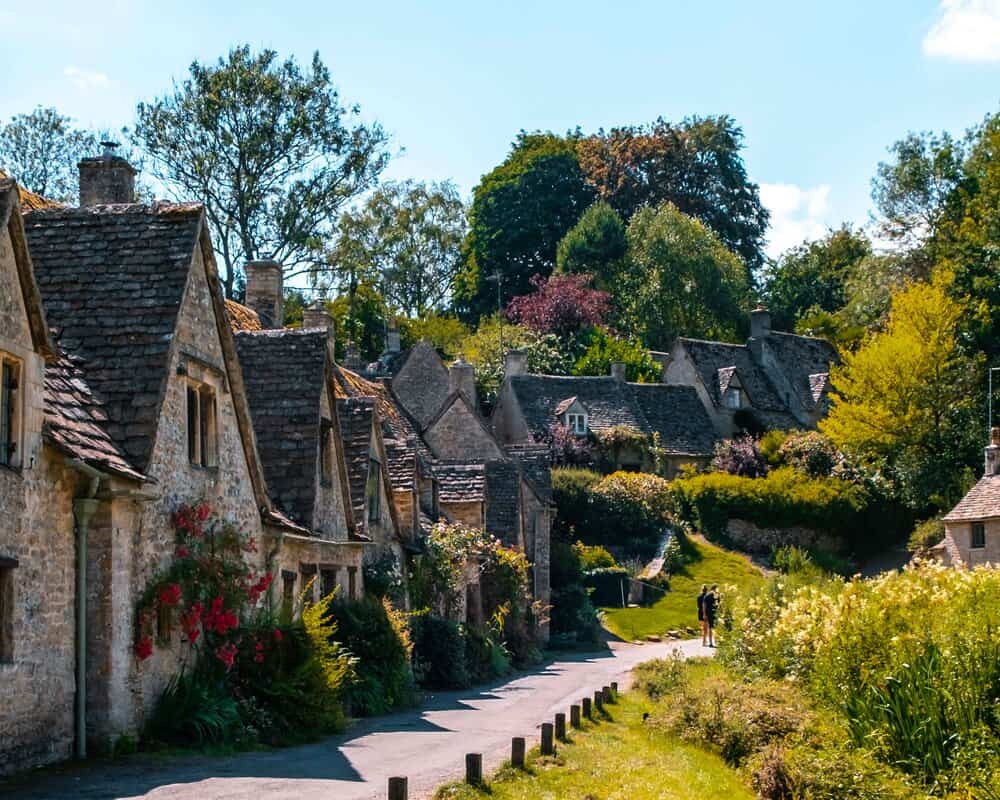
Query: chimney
point(106, 179)
point(515, 363)
point(993, 453)
point(462, 378)
point(760, 323)
point(352, 357)
point(392, 343)
point(618, 370)
point(315, 315)
point(265, 292)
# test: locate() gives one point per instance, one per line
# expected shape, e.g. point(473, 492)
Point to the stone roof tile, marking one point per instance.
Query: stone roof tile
point(460, 482)
point(356, 419)
point(982, 502)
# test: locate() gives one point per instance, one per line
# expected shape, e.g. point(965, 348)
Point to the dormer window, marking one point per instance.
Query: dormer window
point(10, 410)
point(577, 423)
point(202, 425)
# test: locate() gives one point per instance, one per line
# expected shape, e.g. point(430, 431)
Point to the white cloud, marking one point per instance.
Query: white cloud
point(85, 79)
point(796, 214)
point(968, 30)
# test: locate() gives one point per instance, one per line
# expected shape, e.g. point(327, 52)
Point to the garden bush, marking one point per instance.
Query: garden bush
point(572, 617)
point(439, 653)
point(740, 456)
point(593, 556)
point(925, 535)
point(608, 585)
point(571, 488)
point(660, 677)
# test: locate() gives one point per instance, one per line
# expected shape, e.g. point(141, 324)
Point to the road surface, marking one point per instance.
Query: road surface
point(427, 744)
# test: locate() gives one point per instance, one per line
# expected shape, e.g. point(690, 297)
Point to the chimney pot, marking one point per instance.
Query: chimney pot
point(265, 292)
point(618, 370)
point(107, 179)
point(760, 323)
point(515, 363)
point(462, 378)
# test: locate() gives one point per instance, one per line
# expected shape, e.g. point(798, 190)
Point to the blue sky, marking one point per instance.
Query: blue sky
point(820, 89)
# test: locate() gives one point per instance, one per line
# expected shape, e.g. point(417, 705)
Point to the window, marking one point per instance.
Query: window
point(577, 423)
point(978, 535)
point(201, 425)
point(373, 490)
point(7, 567)
point(10, 386)
point(308, 573)
point(734, 398)
point(328, 580)
point(287, 595)
point(326, 452)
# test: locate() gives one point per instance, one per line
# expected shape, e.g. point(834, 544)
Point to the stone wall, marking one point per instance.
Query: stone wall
point(753, 539)
point(458, 435)
point(470, 513)
point(958, 544)
point(329, 519)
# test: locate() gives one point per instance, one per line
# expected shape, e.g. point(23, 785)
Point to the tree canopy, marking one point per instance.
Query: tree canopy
point(596, 245)
point(269, 148)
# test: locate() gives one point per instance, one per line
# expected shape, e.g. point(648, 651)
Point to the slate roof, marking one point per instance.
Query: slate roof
point(461, 483)
point(676, 413)
point(112, 279)
point(502, 499)
point(802, 358)
point(355, 415)
point(534, 462)
point(669, 410)
point(283, 372)
point(982, 502)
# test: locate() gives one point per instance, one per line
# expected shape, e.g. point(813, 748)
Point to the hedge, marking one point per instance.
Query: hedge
point(608, 584)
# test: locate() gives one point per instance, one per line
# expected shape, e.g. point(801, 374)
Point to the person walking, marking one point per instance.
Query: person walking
point(702, 620)
point(711, 605)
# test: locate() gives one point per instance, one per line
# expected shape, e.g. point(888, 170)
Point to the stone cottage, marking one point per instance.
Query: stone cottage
point(774, 381)
point(972, 528)
point(529, 406)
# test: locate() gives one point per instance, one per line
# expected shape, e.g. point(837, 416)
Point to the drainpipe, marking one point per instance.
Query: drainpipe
point(83, 512)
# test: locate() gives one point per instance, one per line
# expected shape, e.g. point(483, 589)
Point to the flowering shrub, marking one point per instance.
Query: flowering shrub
point(635, 504)
point(811, 452)
point(567, 448)
point(910, 660)
point(740, 456)
point(561, 305)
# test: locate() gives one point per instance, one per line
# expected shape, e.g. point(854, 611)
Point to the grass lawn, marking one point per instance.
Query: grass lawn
point(706, 563)
point(615, 759)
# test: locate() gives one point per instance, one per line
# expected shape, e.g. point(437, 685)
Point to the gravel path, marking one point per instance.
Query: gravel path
point(428, 744)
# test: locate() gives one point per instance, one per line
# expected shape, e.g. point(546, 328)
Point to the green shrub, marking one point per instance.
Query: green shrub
point(810, 452)
point(439, 653)
point(593, 557)
point(608, 584)
point(195, 708)
point(927, 534)
point(632, 505)
point(660, 677)
point(573, 617)
point(376, 635)
point(571, 487)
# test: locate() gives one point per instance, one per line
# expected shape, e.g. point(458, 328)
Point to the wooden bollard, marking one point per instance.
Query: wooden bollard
point(474, 769)
point(586, 708)
point(598, 701)
point(548, 747)
point(606, 693)
point(614, 689)
point(517, 752)
point(561, 727)
point(398, 789)
point(574, 716)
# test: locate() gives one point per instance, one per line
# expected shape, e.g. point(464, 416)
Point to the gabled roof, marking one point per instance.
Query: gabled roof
point(981, 503)
point(28, 200)
point(801, 358)
point(672, 411)
point(284, 372)
point(566, 405)
point(112, 279)
point(726, 375)
point(356, 419)
point(533, 460)
point(677, 415)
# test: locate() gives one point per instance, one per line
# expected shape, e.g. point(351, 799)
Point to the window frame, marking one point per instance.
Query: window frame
point(11, 409)
point(977, 542)
point(577, 423)
point(202, 423)
point(734, 393)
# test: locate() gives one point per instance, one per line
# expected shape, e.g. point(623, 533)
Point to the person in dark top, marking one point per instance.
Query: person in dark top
point(701, 615)
point(710, 604)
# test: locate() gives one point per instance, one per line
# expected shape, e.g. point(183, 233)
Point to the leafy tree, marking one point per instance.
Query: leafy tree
point(444, 332)
point(696, 165)
point(681, 280)
point(520, 211)
point(604, 349)
point(41, 151)
point(269, 148)
point(813, 275)
point(561, 304)
point(362, 321)
point(409, 234)
point(595, 245)
point(906, 398)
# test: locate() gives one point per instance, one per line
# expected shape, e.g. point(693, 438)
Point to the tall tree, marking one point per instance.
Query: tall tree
point(520, 211)
point(907, 401)
point(681, 281)
point(41, 151)
point(595, 245)
point(696, 165)
point(269, 148)
point(409, 234)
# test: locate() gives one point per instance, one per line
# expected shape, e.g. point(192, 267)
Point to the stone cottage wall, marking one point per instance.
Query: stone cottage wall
point(458, 435)
point(750, 538)
point(329, 519)
point(958, 543)
point(469, 514)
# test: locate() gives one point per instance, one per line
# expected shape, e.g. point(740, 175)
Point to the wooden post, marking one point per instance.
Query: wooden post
point(606, 692)
point(574, 716)
point(561, 727)
point(586, 708)
point(614, 689)
point(548, 747)
point(598, 701)
point(517, 752)
point(474, 769)
point(398, 789)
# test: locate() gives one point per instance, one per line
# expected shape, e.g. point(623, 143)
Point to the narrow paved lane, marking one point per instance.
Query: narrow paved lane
point(427, 744)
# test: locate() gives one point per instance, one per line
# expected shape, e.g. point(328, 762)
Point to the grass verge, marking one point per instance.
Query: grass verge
point(704, 563)
point(615, 758)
